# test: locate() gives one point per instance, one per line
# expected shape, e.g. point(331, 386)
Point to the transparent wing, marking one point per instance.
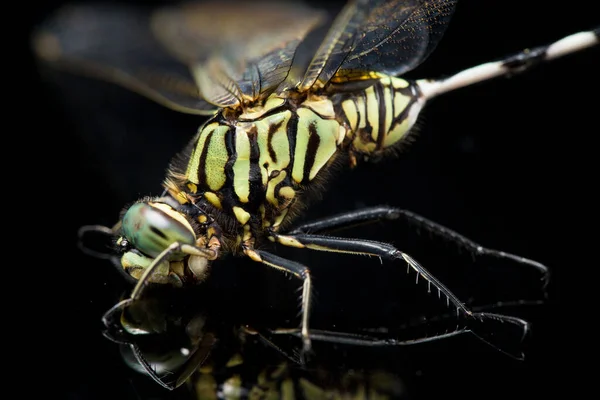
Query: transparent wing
point(115, 43)
point(194, 57)
point(398, 35)
point(236, 50)
point(389, 36)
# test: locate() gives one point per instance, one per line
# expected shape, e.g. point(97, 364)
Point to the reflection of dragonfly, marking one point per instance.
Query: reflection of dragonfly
point(176, 342)
point(293, 96)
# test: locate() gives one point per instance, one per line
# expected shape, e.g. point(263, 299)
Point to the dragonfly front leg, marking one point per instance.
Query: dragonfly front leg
point(298, 270)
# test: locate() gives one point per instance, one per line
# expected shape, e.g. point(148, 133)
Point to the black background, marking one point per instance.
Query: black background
point(502, 163)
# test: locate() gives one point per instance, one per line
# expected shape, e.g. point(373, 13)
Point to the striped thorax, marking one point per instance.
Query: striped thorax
point(252, 167)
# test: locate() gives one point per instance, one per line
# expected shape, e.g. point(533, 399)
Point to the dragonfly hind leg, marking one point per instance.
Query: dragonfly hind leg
point(387, 251)
point(385, 213)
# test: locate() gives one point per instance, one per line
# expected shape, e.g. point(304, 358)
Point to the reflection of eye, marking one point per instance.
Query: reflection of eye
point(151, 229)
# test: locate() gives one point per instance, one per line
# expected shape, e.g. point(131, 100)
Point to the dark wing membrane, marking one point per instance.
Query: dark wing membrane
point(335, 45)
point(398, 35)
point(236, 50)
point(115, 43)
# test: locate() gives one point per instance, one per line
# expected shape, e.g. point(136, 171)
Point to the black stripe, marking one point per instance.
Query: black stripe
point(368, 129)
point(525, 60)
point(412, 91)
point(292, 131)
point(382, 132)
point(311, 150)
point(272, 129)
point(256, 186)
point(228, 197)
point(202, 162)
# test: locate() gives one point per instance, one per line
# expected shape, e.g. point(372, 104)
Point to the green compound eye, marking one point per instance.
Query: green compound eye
point(151, 228)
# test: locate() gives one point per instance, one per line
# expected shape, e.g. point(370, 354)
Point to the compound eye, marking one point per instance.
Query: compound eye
point(151, 228)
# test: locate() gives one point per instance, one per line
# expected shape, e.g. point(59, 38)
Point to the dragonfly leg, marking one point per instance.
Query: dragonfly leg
point(298, 270)
point(386, 213)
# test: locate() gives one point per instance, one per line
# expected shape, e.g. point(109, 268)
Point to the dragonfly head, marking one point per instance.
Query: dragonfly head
point(149, 229)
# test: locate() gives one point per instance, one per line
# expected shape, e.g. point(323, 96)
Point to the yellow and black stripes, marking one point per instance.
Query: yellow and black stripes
point(379, 116)
point(252, 168)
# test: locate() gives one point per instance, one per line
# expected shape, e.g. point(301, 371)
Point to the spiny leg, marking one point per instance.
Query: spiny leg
point(300, 271)
point(389, 252)
point(386, 213)
point(370, 248)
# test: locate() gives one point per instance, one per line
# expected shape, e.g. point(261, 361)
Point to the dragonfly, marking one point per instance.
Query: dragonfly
point(292, 96)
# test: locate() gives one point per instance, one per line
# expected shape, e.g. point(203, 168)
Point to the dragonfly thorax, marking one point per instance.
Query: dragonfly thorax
point(255, 170)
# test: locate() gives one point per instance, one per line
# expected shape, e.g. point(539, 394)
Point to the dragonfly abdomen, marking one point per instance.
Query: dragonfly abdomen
point(379, 116)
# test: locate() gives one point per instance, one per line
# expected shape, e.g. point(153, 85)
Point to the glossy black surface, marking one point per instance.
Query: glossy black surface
point(499, 162)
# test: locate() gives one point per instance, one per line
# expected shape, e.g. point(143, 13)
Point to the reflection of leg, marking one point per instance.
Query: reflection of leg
point(299, 271)
point(389, 252)
point(508, 342)
point(385, 213)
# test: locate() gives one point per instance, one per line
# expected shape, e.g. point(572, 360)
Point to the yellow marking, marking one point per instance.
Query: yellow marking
point(216, 159)
point(202, 218)
point(241, 215)
point(270, 195)
point(289, 241)
point(192, 169)
point(350, 111)
point(177, 267)
point(130, 259)
point(253, 255)
point(360, 107)
point(256, 112)
point(400, 103)
point(320, 105)
point(241, 166)
point(323, 248)
point(174, 191)
point(133, 260)
point(279, 219)
point(341, 135)
point(167, 209)
point(400, 130)
point(280, 268)
point(247, 234)
point(211, 231)
point(387, 101)
point(119, 241)
point(287, 192)
point(327, 130)
point(399, 83)
point(279, 144)
point(372, 112)
point(348, 75)
point(192, 187)
point(363, 147)
point(213, 199)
